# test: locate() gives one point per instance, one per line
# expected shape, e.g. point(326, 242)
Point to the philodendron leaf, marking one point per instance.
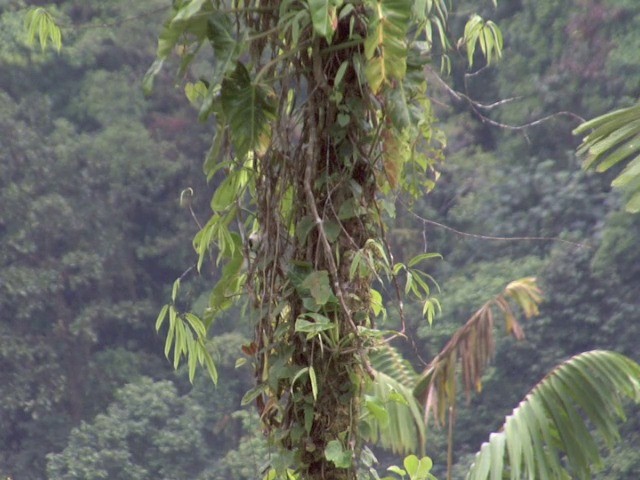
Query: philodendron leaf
point(323, 17)
point(319, 287)
point(249, 108)
point(334, 452)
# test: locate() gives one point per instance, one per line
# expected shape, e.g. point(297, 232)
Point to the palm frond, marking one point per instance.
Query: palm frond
point(394, 418)
point(549, 434)
point(472, 347)
point(615, 137)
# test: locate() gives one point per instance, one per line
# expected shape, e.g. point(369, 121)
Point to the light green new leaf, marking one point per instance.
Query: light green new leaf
point(161, 316)
point(554, 421)
point(38, 21)
point(187, 336)
point(188, 10)
point(314, 382)
point(418, 469)
point(486, 34)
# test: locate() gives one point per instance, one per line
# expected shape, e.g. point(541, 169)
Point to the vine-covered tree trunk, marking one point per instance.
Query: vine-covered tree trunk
point(321, 110)
point(308, 341)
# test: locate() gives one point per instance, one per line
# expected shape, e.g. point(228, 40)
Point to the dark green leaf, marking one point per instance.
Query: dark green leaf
point(249, 109)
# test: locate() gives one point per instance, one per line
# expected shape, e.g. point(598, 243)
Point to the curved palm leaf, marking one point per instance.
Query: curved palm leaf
point(548, 435)
point(394, 417)
point(615, 137)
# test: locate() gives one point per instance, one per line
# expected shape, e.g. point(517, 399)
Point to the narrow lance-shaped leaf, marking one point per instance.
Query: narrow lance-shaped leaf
point(38, 21)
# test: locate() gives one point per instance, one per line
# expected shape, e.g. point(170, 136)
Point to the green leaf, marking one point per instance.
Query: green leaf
point(338, 455)
point(212, 163)
point(196, 325)
point(175, 289)
point(377, 409)
point(210, 365)
point(343, 119)
point(486, 34)
point(192, 360)
point(630, 174)
point(195, 92)
point(547, 424)
point(411, 463)
point(323, 18)
point(249, 109)
point(226, 47)
point(252, 394)
point(397, 470)
point(633, 205)
point(149, 77)
point(376, 302)
point(423, 256)
point(424, 467)
point(161, 316)
point(171, 332)
point(314, 382)
point(615, 138)
point(226, 193)
point(318, 285)
point(340, 74)
point(39, 21)
point(304, 227)
point(385, 46)
point(299, 373)
point(190, 9)
point(321, 324)
point(405, 430)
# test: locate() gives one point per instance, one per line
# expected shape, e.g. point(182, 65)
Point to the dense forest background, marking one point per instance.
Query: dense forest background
point(93, 232)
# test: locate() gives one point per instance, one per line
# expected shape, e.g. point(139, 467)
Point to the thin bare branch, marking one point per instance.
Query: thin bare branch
point(476, 107)
point(492, 237)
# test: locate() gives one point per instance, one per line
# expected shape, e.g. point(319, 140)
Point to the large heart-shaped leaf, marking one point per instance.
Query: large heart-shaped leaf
point(323, 18)
point(249, 109)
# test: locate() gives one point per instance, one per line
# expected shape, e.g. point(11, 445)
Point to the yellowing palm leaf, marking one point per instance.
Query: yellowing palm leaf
point(472, 347)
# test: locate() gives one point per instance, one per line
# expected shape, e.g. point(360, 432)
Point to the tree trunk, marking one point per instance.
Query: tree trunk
point(315, 399)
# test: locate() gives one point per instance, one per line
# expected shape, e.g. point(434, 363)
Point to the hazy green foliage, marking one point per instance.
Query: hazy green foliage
point(147, 432)
point(92, 235)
